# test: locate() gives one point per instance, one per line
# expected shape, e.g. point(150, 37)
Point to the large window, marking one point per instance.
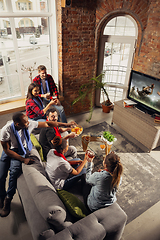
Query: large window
point(26, 41)
point(116, 54)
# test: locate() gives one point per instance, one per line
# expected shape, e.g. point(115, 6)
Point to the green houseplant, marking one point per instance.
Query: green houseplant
point(108, 138)
point(89, 88)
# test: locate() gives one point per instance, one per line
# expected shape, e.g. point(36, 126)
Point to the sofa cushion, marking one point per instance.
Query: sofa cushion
point(45, 197)
point(37, 145)
point(73, 204)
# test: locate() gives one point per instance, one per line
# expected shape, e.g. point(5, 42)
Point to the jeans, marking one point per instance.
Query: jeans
point(60, 110)
point(15, 168)
point(72, 179)
point(39, 119)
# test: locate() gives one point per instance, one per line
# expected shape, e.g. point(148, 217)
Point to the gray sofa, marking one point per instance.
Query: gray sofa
point(49, 219)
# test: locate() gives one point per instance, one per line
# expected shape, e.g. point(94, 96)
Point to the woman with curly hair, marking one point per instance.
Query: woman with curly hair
point(59, 170)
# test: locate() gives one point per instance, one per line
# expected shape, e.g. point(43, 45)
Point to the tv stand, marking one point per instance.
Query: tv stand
point(140, 110)
point(138, 124)
point(144, 109)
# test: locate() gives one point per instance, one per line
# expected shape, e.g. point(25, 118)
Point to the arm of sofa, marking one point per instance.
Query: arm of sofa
point(107, 223)
point(36, 222)
point(113, 219)
point(45, 198)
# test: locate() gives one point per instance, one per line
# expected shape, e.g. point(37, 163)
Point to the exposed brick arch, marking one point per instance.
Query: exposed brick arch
point(106, 10)
point(137, 8)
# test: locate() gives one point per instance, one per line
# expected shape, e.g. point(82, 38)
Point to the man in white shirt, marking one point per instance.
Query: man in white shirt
point(16, 143)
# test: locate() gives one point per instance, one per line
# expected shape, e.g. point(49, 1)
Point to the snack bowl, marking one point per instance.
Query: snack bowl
point(77, 129)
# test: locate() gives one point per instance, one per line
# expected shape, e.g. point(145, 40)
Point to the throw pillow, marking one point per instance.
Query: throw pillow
point(73, 204)
point(38, 146)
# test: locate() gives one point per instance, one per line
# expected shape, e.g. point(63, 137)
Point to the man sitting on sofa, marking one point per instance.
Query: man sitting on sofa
point(48, 90)
point(46, 135)
point(16, 143)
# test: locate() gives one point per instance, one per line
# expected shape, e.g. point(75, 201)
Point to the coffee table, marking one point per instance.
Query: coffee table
point(87, 138)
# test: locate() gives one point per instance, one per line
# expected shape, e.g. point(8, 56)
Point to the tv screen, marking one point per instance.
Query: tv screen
point(145, 91)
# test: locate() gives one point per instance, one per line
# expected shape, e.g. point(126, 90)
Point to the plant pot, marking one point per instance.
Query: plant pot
point(105, 108)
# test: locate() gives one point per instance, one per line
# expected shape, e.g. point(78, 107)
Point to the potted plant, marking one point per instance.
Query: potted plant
point(89, 88)
point(108, 138)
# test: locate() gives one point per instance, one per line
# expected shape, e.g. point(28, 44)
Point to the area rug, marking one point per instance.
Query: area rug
point(141, 177)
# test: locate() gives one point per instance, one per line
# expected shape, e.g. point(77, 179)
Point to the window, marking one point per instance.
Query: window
point(30, 6)
point(1, 5)
point(22, 6)
point(25, 43)
point(21, 23)
point(43, 6)
point(19, 7)
point(121, 25)
point(117, 48)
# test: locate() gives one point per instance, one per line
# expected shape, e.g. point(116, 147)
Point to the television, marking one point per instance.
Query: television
point(145, 91)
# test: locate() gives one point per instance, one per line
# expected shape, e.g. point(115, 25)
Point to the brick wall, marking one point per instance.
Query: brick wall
point(77, 48)
point(79, 33)
point(148, 60)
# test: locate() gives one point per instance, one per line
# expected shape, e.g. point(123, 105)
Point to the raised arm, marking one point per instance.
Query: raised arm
point(54, 124)
point(80, 167)
point(52, 102)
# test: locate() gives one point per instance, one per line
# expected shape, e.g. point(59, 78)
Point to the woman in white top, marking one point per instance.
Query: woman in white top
point(59, 170)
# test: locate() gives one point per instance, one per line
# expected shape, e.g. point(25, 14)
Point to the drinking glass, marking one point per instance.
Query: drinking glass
point(102, 146)
point(90, 154)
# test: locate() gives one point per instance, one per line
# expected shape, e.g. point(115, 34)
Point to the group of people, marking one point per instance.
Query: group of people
point(64, 168)
point(42, 94)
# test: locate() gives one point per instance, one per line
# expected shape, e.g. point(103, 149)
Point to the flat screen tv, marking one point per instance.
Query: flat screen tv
point(145, 90)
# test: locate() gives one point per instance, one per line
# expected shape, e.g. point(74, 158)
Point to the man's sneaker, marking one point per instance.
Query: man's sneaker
point(5, 211)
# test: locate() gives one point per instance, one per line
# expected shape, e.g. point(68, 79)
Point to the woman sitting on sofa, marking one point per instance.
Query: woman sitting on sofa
point(59, 170)
point(34, 105)
point(105, 182)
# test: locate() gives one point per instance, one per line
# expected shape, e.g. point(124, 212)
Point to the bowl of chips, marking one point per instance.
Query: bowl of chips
point(77, 129)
